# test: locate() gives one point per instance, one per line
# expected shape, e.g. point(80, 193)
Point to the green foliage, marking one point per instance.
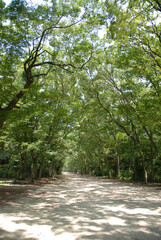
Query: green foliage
point(126, 175)
point(70, 98)
point(7, 171)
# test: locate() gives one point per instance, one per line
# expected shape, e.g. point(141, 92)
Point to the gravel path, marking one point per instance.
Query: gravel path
point(83, 208)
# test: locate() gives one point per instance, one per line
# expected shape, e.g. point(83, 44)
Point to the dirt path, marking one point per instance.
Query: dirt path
point(79, 208)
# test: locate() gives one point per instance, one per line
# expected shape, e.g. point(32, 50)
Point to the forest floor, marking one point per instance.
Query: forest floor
point(74, 207)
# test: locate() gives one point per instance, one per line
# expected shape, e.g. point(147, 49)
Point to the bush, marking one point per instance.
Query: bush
point(126, 175)
point(7, 172)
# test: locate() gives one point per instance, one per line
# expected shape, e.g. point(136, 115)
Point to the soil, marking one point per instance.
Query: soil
point(78, 207)
point(10, 192)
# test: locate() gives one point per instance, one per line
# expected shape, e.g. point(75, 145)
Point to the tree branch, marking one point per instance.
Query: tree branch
point(116, 122)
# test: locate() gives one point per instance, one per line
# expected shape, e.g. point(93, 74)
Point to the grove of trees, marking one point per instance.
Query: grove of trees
point(80, 88)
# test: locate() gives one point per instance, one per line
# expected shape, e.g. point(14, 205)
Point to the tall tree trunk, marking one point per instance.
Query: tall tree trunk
point(117, 158)
point(23, 166)
point(40, 171)
point(118, 166)
point(136, 169)
point(34, 168)
point(152, 164)
point(108, 168)
point(144, 167)
point(101, 167)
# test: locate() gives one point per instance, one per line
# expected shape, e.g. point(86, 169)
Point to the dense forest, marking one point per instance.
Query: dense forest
point(80, 88)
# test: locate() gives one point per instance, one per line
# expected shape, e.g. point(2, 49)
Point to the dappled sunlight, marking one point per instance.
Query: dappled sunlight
point(142, 211)
point(117, 221)
point(111, 221)
point(78, 208)
point(42, 232)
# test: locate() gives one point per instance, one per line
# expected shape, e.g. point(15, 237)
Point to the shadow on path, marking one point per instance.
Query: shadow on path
point(82, 208)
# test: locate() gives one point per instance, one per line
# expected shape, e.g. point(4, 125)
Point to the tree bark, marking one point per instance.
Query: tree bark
point(144, 167)
point(108, 168)
point(40, 171)
point(34, 168)
point(152, 164)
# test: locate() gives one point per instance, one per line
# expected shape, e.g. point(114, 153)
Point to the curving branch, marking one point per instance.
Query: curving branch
point(31, 63)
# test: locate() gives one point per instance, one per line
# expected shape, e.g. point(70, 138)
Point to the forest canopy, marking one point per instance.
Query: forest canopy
point(80, 88)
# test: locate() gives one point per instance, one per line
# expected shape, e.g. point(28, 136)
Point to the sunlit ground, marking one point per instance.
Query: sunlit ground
point(78, 208)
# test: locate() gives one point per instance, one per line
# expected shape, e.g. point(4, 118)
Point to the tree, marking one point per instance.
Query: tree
point(71, 96)
point(43, 45)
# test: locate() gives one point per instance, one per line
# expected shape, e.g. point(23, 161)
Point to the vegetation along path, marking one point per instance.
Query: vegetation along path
point(79, 207)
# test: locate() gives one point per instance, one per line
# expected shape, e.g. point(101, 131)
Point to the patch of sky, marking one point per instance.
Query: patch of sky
point(34, 2)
